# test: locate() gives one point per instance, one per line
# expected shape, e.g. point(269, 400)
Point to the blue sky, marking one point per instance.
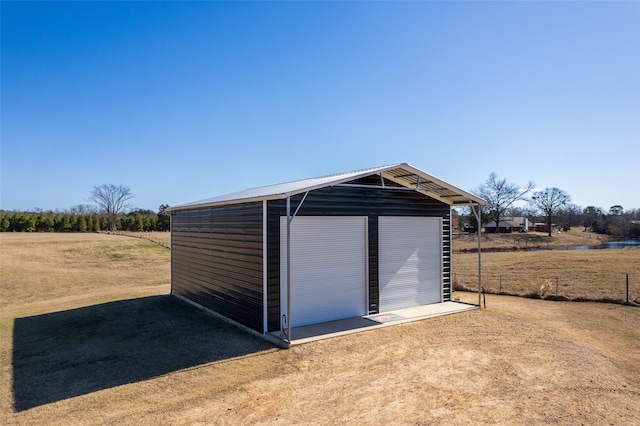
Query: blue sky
point(188, 100)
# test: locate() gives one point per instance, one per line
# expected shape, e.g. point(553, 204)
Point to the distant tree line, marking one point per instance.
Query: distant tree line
point(83, 218)
point(616, 222)
point(550, 206)
point(108, 214)
point(625, 224)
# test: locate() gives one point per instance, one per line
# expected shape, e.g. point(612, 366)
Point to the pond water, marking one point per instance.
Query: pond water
point(607, 245)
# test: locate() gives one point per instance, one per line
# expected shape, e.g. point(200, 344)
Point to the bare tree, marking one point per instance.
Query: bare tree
point(616, 210)
point(500, 195)
point(570, 216)
point(549, 201)
point(112, 199)
point(81, 209)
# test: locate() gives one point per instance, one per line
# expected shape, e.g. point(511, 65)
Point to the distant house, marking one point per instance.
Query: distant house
point(509, 225)
point(542, 227)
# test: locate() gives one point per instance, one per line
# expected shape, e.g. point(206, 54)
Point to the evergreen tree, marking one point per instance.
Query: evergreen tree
point(164, 220)
point(14, 225)
point(67, 225)
point(81, 224)
point(150, 222)
point(89, 221)
point(29, 222)
point(4, 222)
point(104, 223)
point(73, 221)
point(44, 222)
point(57, 223)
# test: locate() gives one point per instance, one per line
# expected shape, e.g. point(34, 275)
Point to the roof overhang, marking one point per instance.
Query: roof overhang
point(413, 178)
point(403, 176)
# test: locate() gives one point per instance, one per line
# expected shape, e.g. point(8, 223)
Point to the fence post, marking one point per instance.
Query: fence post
point(627, 289)
point(500, 276)
point(557, 279)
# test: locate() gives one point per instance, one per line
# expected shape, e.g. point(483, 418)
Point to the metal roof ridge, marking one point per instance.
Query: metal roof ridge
point(340, 178)
point(325, 177)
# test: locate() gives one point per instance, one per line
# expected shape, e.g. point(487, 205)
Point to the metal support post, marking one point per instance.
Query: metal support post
point(289, 218)
point(477, 214)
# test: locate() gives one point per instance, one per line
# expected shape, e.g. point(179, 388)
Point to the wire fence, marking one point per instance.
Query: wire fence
point(604, 285)
point(610, 287)
point(161, 238)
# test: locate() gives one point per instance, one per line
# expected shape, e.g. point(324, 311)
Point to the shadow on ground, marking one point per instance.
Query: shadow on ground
point(70, 353)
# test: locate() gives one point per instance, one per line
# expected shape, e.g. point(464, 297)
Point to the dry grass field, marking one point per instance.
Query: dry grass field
point(89, 336)
point(574, 274)
point(46, 267)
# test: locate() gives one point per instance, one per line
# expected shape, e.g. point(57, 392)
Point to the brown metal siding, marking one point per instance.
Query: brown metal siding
point(216, 260)
point(344, 201)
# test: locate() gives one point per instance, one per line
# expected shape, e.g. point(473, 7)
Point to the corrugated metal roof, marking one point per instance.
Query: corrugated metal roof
point(403, 174)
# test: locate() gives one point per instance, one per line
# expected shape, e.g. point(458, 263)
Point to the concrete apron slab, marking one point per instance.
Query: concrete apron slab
point(325, 330)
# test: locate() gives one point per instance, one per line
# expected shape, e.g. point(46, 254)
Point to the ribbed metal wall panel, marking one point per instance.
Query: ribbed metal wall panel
point(217, 258)
point(345, 201)
point(446, 258)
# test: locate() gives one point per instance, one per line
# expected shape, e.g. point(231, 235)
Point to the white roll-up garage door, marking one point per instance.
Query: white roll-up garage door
point(328, 268)
point(410, 262)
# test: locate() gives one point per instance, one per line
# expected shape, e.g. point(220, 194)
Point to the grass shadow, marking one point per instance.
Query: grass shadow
point(71, 353)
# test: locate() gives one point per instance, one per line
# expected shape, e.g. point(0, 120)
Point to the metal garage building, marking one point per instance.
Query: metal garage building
point(317, 250)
